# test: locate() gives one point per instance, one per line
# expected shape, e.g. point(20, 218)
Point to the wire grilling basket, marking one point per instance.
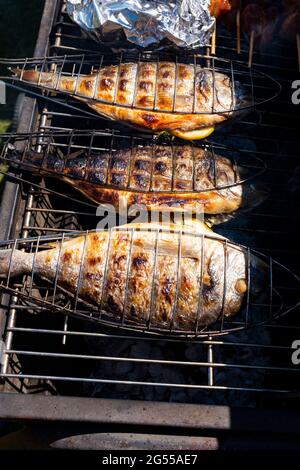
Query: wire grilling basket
point(247, 87)
point(162, 310)
point(163, 160)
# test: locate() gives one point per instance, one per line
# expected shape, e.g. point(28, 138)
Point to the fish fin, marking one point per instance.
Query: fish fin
point(73, 155)
point(57, 244)
point(51, 245)
point(217, 219)
point(60, 154)
point(194, 225)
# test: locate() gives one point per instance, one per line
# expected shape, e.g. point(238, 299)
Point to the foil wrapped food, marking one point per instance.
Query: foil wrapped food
point(186, 23)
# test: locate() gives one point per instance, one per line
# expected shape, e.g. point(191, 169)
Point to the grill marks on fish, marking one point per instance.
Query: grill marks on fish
point(136, 93)
point(164, 86)
point(166, 168)
point(150, 176)
point(135, 275)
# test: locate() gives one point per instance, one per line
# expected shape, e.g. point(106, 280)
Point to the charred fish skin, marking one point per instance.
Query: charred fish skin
point(137, 275)
point(157, 168)
point(185, 100)
point(158, 177)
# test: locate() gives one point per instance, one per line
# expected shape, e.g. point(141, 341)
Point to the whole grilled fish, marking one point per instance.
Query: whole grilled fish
point(147, 273)
point(185, 100)
point(164, 178)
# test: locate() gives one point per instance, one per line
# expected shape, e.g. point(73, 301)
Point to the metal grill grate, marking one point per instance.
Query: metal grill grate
point(246, 368)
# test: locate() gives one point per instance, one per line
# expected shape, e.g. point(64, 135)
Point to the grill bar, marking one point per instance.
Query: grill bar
point(209, 342)
point(211, 364)
point(150, 384)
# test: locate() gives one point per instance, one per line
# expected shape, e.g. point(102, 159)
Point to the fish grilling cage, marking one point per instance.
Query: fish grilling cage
point(248, 87)
point(272, 305)
point(49, 352)
point(66, 145)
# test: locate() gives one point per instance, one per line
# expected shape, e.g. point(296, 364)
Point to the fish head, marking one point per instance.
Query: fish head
point(243, 274)
point(246, 271)
point(251, 196)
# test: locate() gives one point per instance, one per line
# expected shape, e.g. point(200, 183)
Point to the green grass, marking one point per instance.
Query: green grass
point(4, 125)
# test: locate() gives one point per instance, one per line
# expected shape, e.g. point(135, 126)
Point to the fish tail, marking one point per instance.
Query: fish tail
point(26, 75)
point(14, 263)
point(31, 160)
point(217, 219)
point(46, 79)
point(5, 257)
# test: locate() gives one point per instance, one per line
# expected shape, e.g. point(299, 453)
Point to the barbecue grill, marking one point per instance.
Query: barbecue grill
point(128, 384)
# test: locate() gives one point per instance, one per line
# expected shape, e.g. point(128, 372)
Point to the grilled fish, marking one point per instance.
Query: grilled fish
point(185, 100)
point(164, 178)
point(147, 273)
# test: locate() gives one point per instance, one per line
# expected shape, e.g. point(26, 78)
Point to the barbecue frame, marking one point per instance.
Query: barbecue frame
point(256, 428)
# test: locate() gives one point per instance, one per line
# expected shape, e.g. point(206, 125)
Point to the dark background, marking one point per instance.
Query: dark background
point(19, 23)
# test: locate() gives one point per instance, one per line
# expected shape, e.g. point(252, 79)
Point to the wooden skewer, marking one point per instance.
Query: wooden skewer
point(298, 49)
point(213, 39)
point(238, 30)
point(251, 49)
